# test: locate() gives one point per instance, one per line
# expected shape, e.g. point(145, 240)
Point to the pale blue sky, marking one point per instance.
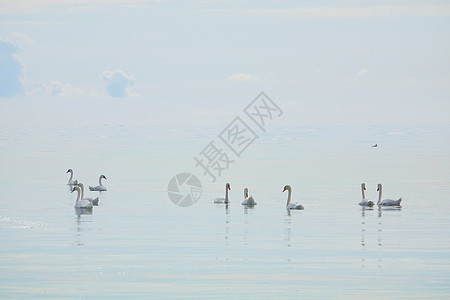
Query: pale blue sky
point(201, 62)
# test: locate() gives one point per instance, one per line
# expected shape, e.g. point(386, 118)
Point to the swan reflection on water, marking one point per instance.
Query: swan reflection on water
point(387, 208)
point(371, 242)
point(83, 211)
point(82, 225)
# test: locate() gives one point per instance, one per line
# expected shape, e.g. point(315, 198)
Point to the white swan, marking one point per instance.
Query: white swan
point(249, 201)
point(386, 202)
point(290, 205)
point(364, 201)
point(222, 200)
point(99, 187)
point(71, 182)
point(81, 203)
point(92, 200)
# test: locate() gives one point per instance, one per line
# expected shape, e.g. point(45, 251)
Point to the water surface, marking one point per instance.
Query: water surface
point(137, 243)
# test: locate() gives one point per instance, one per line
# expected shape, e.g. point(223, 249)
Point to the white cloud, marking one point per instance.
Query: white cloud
point(243, 77)
point(18, 39)
point(362, 72)
point(118, 83)
point(11, 70)
point(57, 88)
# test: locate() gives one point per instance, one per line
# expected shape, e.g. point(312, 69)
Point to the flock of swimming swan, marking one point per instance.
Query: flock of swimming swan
point(85, 202)
point(249, 201)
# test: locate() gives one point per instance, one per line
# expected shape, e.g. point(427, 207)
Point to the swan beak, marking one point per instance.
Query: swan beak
point(378, 189)
point(229, 188)
point(284, 189)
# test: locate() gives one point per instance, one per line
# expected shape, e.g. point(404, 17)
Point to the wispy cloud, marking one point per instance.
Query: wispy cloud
point(118, 83)
point(58, 89)
point(243, 77)
point(362, 72)
point(18, 39)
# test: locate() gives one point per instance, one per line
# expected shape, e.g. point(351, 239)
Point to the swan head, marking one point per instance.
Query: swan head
point(287, 187)
point(379, 187)
point(69, 171)
point(75, 188)
point(103, 176)
point(228, 186)
point(363, 186)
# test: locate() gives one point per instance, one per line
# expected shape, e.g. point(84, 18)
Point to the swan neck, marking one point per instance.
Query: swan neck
point(289, 197)
point(363, 194)
point(82, 191)
point(226, 194)
point(100, 180)
point(379, 194)
point(71, 176)
point(78, 195)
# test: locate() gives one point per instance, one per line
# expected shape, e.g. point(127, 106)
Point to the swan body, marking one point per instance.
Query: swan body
point(222, 200)
point(249, 201)
point(94, 201)
point(81, 203)
point(386, 202)
point(71, 182)
point(100, 187)
point(289, 205)
point(365, 202)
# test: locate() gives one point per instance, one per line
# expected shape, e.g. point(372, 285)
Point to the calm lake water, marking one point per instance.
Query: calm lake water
point(138, 244)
